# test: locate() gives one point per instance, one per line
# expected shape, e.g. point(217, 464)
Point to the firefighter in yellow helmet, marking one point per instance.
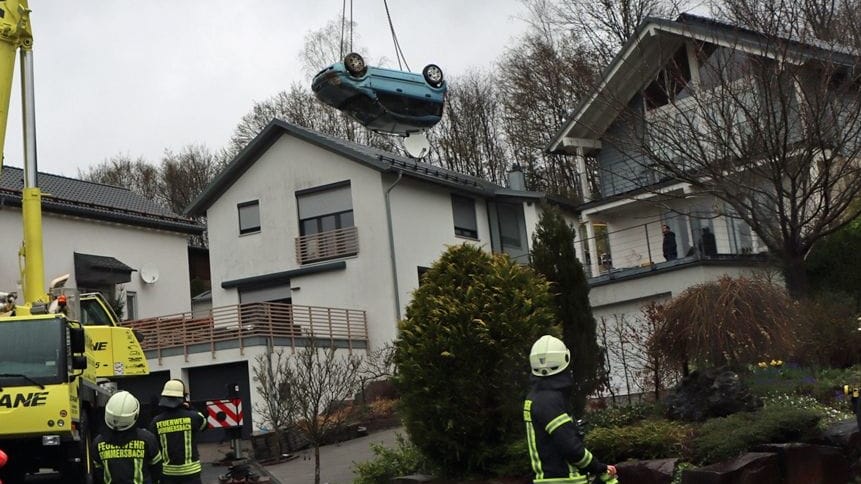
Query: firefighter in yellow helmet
point(556, 452)
point(177, 427)
point(125, 454)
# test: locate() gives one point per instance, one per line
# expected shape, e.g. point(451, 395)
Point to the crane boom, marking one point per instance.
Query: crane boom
point(16, 34)
point(54, 368)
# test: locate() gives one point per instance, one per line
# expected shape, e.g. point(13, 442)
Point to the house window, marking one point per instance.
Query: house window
point(510, 217)
point(249, 217)
point(131, 308)
point(463, 209)
point(671, 82)
point(325, 208)
point(422, 271)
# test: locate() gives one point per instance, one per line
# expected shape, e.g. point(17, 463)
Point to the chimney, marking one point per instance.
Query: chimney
point(516, 180)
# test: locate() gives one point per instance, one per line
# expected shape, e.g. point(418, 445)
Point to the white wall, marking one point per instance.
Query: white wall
point(290, 165)
point(134, 246)
point(423, 227)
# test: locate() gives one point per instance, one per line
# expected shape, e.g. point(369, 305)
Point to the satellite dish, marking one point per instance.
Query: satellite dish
point(149, 274)
point(416, 145)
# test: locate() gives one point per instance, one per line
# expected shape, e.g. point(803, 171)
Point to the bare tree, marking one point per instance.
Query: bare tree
point(539, 79)
point(300, 107)
point(275, 407)
point(470, 137)
point(775, 135)
point(826, 20)
point(607, 24)
point(120, 170)
point(316, 384)
point(185, 174)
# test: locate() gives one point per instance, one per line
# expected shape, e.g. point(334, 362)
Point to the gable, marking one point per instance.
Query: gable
point(657, 44)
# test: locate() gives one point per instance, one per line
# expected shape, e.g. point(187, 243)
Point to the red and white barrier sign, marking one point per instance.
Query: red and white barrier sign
point(224, 414)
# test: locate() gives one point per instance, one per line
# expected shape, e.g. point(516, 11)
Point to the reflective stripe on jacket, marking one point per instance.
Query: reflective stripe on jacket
point(176, 430)
point(555, 451)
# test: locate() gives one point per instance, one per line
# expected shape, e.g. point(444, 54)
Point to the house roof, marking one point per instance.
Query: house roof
point(649, 49)
point(375, 158)
point(69, 196)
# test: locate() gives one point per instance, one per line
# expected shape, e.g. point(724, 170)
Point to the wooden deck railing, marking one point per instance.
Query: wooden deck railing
point(278, 323)
point(327, 245)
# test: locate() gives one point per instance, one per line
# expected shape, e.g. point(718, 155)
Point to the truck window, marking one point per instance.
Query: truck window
point(39, 358)
point(94, 314)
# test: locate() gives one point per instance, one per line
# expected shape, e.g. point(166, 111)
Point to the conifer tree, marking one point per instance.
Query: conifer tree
point(553, 256)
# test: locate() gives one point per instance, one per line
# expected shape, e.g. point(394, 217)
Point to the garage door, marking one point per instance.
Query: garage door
point(211, 383)
point(147, 389)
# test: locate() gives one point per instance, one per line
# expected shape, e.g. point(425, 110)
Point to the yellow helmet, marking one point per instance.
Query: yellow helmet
point(549, 356)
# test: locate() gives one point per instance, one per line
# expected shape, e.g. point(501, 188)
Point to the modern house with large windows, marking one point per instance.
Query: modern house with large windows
point(683, 91)
point(317, 237)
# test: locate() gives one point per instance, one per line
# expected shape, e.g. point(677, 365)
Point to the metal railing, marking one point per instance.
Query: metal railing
point(275, 323)
point(642, 246)
point(327, 245)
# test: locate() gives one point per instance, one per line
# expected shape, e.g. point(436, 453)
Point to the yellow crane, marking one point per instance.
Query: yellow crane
point(59, 351)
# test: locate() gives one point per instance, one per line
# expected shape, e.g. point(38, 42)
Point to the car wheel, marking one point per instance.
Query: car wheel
point(354, 63)
point(433, 75)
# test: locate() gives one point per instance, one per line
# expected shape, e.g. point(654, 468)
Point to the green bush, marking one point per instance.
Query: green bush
point(619, 416)
point(827, 414)
point(405, 459)
point(516, 462)
point(723, 438)
point(649, 439)
point(463, 357)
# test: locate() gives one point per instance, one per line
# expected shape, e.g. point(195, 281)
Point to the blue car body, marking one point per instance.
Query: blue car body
point(383, 100)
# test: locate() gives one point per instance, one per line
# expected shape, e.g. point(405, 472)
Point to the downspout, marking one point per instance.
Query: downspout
point(392, 245)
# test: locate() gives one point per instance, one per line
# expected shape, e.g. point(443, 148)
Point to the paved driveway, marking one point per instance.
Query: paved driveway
point(336, 461)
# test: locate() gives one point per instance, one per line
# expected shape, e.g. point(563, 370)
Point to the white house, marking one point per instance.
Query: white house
point(658, 74)
point(332, 236)
point(106, 238)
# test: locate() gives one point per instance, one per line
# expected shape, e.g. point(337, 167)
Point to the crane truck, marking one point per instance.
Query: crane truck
point(59, 351)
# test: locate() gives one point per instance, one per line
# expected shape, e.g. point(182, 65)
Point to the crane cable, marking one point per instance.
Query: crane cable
point(343, 22)
point(399, 54)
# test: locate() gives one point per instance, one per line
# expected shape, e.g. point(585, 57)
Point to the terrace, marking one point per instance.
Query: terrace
point(251, 324)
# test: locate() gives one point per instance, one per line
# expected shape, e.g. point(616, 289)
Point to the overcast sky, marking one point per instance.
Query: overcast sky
point(136, 77)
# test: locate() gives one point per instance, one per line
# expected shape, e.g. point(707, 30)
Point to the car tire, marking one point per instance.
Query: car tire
point(433, 75)
point(355, 64)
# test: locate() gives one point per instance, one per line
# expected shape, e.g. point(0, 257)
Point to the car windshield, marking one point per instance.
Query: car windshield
point(410, 106)
point(31, 348)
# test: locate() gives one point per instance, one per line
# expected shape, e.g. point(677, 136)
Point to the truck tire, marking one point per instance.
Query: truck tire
point(82, 471)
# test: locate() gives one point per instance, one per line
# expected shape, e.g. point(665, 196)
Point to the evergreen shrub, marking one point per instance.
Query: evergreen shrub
point(727, 437)
point(648, 439)
point(463, 357)
point(388, 463)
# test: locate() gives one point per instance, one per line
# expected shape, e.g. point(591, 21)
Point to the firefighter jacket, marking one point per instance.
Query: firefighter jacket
point(127, 457)
point(176, 430)
point(555, 450)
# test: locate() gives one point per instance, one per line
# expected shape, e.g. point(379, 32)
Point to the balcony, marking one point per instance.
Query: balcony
point(627, 251)
point(252, 324)
point(331, 244)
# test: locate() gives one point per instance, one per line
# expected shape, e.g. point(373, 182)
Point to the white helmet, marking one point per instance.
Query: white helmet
point(122, 411)
point(549, 356)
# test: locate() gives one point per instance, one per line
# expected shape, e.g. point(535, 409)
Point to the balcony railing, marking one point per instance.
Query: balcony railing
point(327, 245)
point(639, 248)
point(243, 325)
